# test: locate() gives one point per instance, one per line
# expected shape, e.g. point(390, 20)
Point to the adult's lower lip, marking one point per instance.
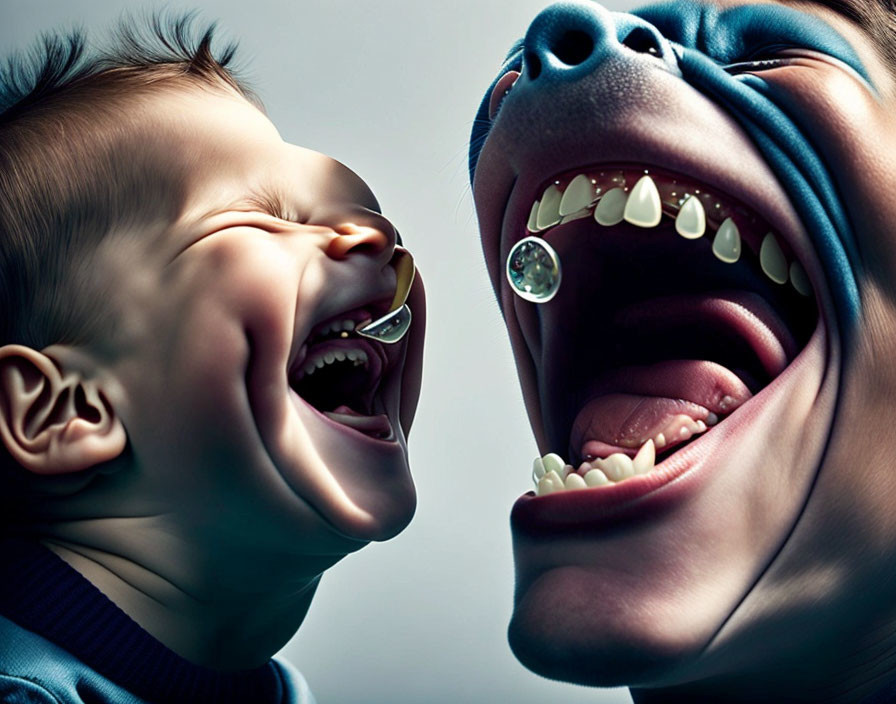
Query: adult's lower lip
point(678, 477)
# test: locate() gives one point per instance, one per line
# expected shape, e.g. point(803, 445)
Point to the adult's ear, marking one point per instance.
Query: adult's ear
point(53, 422)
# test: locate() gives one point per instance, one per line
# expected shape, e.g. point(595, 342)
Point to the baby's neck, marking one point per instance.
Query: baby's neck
point(228, 625)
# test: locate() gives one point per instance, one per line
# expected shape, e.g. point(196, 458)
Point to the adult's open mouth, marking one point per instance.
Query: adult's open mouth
point(680, 309)
point(343, 376)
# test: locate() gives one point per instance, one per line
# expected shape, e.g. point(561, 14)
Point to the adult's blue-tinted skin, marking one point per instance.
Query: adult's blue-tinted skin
point(698, 42)
point(809, 616)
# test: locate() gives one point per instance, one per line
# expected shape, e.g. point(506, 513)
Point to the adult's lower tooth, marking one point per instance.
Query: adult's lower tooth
point(549, 210)
point(553, 463)
point(578, 195)
point(772, 259)
point(538, 470)
point(645, 459)
point(611, 208)
point(690, 222)
point(643, 207)
point(726, 245)
point(575, 481)
point(617, 466)
point(549, 483)
point(596, 478)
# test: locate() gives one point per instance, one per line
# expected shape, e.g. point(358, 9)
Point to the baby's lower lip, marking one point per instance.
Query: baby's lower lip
point(375, 426)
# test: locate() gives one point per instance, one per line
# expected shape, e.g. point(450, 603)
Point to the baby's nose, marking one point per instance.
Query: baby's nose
point(370, 234)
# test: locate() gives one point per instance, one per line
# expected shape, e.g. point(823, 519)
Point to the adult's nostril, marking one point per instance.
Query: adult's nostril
point(643, 41)
point(573, 47)
point(532, 64)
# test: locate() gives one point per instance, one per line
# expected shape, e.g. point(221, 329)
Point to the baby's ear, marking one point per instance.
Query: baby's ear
point(53, 423)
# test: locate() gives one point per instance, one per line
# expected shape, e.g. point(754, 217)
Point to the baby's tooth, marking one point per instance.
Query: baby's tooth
point(611, 208)
point(800, 280)
point(553, 463)
point(617, 466)
point(319, 363)
point(643, 207)
point(585, 467)
point(348, 325)
point(329, 357)
point(772, 260)
point(660, 440)
point(726, 245)
point(578, 194)
point(690, 222)
point(533, 218)
point(574, 481)
point(549, 210)
point(645, 458)
point(596, 478)
point(340, 356)
point(548, 484)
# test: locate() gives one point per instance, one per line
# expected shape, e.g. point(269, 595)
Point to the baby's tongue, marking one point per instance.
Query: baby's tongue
point(669, 402)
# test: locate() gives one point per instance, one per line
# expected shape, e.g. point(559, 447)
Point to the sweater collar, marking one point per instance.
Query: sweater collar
point(40, 592)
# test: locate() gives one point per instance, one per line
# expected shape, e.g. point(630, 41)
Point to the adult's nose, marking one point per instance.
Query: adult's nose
point(570, 40)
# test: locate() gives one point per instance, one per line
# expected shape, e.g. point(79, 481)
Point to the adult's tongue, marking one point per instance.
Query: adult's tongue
point(631, 405)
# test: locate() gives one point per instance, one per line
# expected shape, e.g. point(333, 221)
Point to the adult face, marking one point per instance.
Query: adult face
point(732, 313)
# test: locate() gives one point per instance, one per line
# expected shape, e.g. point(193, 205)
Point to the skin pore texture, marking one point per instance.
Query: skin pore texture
point(211, 526)
point(756, 563)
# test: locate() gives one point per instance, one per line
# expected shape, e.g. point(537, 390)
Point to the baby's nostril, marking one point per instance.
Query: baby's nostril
point(533, 65)
point(573, 47)
point(643, 41)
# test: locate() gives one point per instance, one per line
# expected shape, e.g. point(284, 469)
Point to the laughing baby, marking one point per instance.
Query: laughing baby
point(207, 371)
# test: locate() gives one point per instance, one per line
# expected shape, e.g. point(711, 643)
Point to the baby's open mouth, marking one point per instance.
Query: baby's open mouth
point(678, 305)
point(341, 375)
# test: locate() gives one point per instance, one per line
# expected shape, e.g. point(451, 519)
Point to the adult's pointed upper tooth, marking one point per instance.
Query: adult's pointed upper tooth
point(611, 208)
point(549, 210)
point(533, 217)
point(726, 245)
point(645, 458)
point(643, 207)
point(772, 260)
point(690, 222)
point(578, 194)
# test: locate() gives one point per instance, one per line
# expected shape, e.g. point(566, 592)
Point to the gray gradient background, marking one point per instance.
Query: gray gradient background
point(390, 89)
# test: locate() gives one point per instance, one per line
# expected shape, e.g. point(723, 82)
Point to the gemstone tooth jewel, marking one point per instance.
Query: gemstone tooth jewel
point(643, 207)
point(690, 222)
point(726, 245)
point(389, 329)
point(611, 208)
point(800, 280)
point(533, 215)
point(645, 459)
point(617, 466)
point(574, 481)
point(578, 195)
point(596, 478)
point(549, 210)
point(533, 270)
point(772, 259)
